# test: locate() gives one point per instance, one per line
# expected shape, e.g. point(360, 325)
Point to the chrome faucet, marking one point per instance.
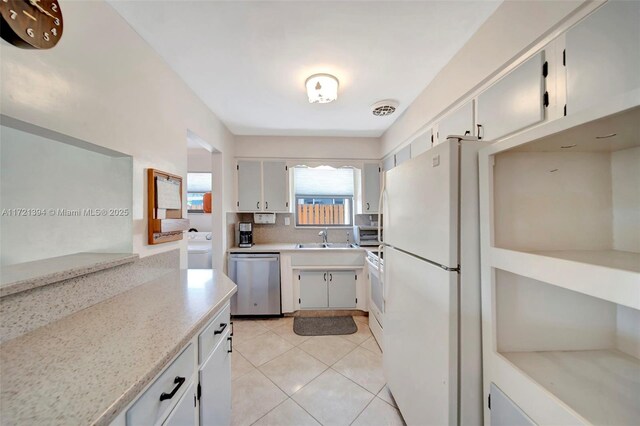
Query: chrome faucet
point(324, 234)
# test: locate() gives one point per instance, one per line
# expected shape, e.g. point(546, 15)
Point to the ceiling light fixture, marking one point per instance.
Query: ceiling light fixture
point(322, 88)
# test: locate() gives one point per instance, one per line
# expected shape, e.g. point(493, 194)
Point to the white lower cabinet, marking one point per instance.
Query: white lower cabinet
point(313, 290)
point(327, 289)
point(504, 412)
point(342, 289)
point(215, 385)
point(194, 388)
point(184, 414)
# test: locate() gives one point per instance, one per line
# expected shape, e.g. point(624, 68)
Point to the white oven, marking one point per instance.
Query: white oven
point(375, 265)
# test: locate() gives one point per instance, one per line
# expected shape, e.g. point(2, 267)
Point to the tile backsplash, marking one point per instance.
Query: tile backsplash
point(281, 233)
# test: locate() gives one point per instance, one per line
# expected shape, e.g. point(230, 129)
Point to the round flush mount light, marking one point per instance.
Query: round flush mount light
point(322, 88)
point(384, 108)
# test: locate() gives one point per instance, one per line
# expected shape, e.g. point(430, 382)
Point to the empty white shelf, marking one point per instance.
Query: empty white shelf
point(606, 274)
point(614, 259)
point(601, 386)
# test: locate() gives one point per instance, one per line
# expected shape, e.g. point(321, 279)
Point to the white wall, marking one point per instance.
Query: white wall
point(513, 27)
point(45, 174)
point(102, 83)
point(625, 177)
point(307, 147)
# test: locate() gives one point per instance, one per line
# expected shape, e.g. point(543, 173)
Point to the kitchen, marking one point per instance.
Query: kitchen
point(431, 224)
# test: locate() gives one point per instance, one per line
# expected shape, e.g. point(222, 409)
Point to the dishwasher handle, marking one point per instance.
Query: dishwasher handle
point(254, 259)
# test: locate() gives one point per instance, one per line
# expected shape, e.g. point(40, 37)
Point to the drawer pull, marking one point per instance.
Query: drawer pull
point(230, 339)
point(223, 325)
point(231, 334)
point(178, 381)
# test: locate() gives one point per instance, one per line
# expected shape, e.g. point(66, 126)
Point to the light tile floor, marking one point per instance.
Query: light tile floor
point(282, 379)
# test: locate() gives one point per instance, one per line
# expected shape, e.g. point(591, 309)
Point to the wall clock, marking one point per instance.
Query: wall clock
point(31, 24)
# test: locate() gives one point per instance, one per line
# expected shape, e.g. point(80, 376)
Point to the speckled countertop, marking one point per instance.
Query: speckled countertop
point(28, 275)
point(280, 247)
point(86, 368)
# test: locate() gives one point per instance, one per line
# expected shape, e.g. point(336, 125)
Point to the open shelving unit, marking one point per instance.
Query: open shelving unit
point(560, 210)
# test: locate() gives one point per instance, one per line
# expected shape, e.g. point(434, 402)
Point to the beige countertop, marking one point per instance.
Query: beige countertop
point(87, 367)
point(28, 275)
point(265, 247)
point(280, 247)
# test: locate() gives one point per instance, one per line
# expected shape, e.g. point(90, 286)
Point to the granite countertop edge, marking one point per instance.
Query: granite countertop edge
point(130, 394)
point(55, 277)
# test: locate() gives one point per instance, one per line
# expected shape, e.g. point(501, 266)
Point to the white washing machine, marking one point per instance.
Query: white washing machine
point(199, 250)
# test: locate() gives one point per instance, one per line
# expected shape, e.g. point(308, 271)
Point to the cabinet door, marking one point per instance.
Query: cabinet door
point(421, 144)
point(249, 186)
point(389, 163)
point(342, 289)
point(458, 122)
point(514, 102)
point(371, 188)
point(504, 412)
point(215, 383)
point(313, 289)
point(403, 155)
point(274, 181)
point(603, 55)
point(184, 413)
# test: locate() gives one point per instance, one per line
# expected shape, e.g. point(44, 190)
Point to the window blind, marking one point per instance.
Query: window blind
point(198, 182)
point(323, 181)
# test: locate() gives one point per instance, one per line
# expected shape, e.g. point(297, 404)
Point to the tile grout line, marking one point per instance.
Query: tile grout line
point(328, 367)
point(362, 411)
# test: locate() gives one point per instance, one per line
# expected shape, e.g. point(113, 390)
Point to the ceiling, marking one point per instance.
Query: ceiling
point(248, 61)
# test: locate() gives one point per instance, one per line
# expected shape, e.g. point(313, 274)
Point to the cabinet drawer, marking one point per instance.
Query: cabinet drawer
point(148, 409)
point(213, 333)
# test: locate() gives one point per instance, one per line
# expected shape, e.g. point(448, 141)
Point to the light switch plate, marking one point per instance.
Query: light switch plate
point(287, 221)
point(435, 161)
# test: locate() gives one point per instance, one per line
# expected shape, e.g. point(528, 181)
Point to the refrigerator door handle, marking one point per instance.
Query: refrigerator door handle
point(380, 206)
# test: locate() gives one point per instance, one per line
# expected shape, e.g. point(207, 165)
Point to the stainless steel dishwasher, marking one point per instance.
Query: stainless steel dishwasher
point(258, 279)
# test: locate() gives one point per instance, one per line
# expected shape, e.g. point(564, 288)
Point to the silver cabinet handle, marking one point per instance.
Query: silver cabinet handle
point(266, 205)
point(258, 205)
point(368, 207)
point(330, 277)
point(325, 276)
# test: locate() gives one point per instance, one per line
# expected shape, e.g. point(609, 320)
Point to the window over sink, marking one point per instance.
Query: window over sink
point(324, 196)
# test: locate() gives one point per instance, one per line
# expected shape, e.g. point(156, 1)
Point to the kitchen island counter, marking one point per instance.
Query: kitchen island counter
point(87, 367)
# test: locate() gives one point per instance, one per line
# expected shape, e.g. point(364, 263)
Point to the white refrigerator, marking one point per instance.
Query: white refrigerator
point(432, 335)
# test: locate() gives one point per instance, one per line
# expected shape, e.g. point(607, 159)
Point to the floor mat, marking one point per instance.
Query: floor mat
point(324, 326)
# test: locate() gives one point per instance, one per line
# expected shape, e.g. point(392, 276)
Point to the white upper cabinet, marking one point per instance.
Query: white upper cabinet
point(263, 186)
point(603, 55)
point(274, 180)
point(403, 155)
point(458, 122)
point(371, 190)
point(421, 143)
point(388, 163)
point(514, 102)
point(249, 185)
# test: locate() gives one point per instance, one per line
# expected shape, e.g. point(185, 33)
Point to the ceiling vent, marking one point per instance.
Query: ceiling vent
point(383, 108)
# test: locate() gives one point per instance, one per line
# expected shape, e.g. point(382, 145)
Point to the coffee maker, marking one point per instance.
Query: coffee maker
point(245, 234)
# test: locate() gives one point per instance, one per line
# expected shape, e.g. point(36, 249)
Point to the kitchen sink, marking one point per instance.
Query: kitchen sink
point(311, 246)
point(340, 245)
point(325, 245)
